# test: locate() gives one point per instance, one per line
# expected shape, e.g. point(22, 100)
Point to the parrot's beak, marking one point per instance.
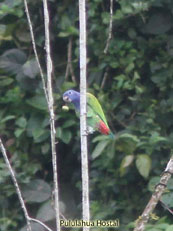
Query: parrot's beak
point(66, 99)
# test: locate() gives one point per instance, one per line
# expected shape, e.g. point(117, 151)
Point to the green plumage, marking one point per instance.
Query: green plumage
point(95, 114)
point(95, 107)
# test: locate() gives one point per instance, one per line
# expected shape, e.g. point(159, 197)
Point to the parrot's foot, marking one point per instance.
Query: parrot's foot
point(89, 130)
point(86, 132)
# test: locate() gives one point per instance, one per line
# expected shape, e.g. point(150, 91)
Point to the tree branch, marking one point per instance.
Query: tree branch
point(4, 153)
point(35, 49)
point(49, 97)
point(104, 77)
point(108, 43)
point(41, 223)
point(51, 111)
point(160, 188)
point(83, 125)
point(69, 68)
point(110, 28)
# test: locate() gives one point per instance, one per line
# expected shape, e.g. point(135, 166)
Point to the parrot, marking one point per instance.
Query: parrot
point(96, 120)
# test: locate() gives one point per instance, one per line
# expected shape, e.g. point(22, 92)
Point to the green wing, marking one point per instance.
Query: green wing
point(96, 107)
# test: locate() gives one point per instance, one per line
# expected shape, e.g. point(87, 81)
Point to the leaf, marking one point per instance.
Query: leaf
point(30, 68)
point(34, 122)
point(170, 184)
point(66, 136)
point(38, 102)
point(127, 160)
point(129, 68)
point(37, 191)
point(58, 132)
point(34, 226)
point(67, 85)
point(128, 136)
point(22, 33)
point(169, 228)
point(68, 123)
point(18, 132)
point(46, 212)
point(40, 135)
point(45, 148)
point(155, 138)
point(126, 143)
point(99, 148)
point(168, 199)
point(2, 29)
point(153, 182)
point(12, 61)
point(112, 150)
point(132, 33)
point(158, 23)
point(9, 117)
point(21, 122)
point(143, 164)
point(69, 31)
point(100, 138)
point(5, 81)
point(37, 133)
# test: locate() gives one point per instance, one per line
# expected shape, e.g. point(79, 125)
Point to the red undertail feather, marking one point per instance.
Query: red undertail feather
point(103, 128)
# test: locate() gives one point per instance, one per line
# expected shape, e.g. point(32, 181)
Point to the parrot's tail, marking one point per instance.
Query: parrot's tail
point(111, 136)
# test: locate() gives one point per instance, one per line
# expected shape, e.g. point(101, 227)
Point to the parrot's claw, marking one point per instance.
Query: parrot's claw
point(87, 132)
point(90, 130)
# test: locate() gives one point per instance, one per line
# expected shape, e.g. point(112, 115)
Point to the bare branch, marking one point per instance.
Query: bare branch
point(41, 223)
point(166, 207)
point(83, 125)
point(35, 49)
point(48, 95)
point(110, 28)
point(160, 188)
point(3, 150)
point(69, 68)
point(51, 111)
point(104, 77)
point(108, 43)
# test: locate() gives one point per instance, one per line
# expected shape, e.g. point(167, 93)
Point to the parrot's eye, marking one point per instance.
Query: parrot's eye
point(69, 93)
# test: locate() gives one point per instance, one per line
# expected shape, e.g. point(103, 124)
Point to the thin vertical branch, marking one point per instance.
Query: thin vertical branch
point(69, 68)
point(48, 95)
point(108, 43)
point(160, 188)
point(104, 77)
point(110, 27)
point(51, 111)
point(4, 153)
point(35, 49)
point(83, 125)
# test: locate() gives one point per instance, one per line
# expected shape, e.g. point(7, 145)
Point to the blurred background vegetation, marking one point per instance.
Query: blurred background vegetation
point(133, 82)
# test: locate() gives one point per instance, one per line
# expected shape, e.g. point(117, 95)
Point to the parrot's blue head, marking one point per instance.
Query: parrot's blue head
point(72, 96)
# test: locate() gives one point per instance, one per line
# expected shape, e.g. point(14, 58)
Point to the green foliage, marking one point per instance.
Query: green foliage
point(136, 97)
point(143, 164)
point(36, 191)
